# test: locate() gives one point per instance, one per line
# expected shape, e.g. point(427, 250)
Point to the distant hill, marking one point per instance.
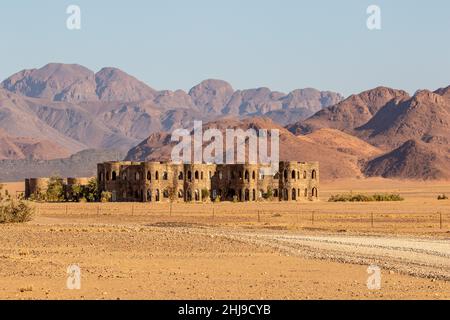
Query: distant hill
point(413, 160)
point(333, 163)
point(351, 113)
point(77, 109)
point(82, 164)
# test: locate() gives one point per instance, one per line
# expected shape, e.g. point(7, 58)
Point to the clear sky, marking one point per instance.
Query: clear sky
point(282, 44)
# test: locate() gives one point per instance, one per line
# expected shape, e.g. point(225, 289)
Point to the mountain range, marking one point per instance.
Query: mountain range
point(59, 110)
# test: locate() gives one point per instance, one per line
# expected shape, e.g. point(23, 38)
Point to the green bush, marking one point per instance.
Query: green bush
point(364, 198)
point(15, 211)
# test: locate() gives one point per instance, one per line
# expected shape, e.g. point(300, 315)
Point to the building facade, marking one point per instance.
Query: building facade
point(161, 181)
point(35, 186)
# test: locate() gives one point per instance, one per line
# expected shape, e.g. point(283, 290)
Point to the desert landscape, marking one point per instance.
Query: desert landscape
point(313, 250)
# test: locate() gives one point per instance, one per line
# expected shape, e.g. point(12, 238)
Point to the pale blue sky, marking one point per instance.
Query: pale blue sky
point(282, 44)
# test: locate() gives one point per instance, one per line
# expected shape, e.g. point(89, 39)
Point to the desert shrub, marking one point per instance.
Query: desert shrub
point(364, 198)
point(15, 211)
point(388, 197)
point(106, 196)
point(55, 190)
point(442, 197)
point(205, 194)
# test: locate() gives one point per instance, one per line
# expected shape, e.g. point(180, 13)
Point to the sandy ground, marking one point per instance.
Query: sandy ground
point(146, 253)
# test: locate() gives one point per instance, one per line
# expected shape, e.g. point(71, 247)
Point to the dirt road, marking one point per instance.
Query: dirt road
point(414, 256)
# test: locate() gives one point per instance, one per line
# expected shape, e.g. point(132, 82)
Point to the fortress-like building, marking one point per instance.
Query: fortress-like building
point(161, 181)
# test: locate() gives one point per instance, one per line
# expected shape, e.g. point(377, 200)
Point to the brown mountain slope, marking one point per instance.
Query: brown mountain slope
point(14, 148)
point(413, 160)
point(55, 82)
point(425, 117)
point(351, 113)
point(334, 164)
point(115, 85)
point(343, 142)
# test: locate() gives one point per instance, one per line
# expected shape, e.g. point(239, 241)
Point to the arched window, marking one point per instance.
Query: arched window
point(304, 174)
point(254, 175)
point(157, 196)
point(149, 195)
point(180, 176)
point(298, 175)
point(293, 174)
point(196, 175)
point(156, 175)
point(201, 176)
point(189, 175)
point(315, 193)
point(254, 195)
point(114, 176)
point(165, 176)
point(314, 175)
point(306, 193)
point(149, 176)
point(294, 194)
point(285, 174)
point(247, 175)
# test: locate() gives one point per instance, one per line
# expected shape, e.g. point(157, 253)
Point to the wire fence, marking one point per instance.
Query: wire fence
point(268, 214)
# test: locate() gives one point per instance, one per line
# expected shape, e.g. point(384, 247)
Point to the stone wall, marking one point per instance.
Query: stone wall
point(156, 182)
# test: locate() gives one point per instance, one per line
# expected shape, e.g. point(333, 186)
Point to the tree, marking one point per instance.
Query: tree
point(91, 190)
point(77, 192)
point(172, 195)
point(55, 189)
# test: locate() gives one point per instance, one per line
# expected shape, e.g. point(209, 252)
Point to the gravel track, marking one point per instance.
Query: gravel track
point(429, 258)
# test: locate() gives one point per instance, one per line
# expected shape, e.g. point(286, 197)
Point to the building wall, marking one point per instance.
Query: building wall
point(156, 182)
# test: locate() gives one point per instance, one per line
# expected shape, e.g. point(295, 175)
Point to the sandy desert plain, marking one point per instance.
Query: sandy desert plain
point(317, 250)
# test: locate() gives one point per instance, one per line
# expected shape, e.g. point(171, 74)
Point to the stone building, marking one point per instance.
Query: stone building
point(34, 186)
point(161, 181)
